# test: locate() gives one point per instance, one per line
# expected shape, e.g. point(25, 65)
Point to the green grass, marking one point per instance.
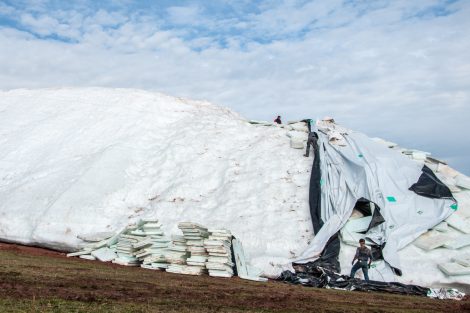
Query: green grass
point(32, 280)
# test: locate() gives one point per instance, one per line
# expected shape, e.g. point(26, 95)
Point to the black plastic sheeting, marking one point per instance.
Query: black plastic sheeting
point(377, 219)
point(313, 275)
point(428, 185)
point(376, 252)
point(363, 206)
point(315, 192)
point(329, 255)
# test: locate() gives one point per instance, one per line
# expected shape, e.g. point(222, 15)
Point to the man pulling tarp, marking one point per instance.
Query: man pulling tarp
point(364, 258)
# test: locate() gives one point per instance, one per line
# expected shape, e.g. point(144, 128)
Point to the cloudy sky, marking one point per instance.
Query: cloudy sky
point(397, 69)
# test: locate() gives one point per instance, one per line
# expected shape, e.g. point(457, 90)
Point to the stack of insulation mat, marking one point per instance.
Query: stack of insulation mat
point(151, 251)
point(218, 245)
point(198, 251)
point(177, 254)
point(142, 244)
point(194, 236)
point(125, 248)
point(98, 246)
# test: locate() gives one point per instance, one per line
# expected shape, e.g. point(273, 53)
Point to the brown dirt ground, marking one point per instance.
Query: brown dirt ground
point(39, 280)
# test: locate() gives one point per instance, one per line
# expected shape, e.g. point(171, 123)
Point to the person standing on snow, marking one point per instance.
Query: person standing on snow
point(278, 120)
point(364, 258)
point(312, 141)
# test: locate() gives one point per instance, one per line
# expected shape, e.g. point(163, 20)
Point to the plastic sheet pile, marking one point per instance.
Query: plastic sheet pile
point(312, 274)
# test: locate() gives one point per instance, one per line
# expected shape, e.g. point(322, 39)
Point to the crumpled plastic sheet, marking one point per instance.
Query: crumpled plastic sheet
point(312, 274)
point(445, 294)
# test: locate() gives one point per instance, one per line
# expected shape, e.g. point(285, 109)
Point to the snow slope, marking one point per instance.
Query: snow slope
point(76, 161)
point(79, 161)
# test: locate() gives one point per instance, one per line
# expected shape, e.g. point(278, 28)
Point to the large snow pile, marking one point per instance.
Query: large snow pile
point(78, 161)
point(81, 161)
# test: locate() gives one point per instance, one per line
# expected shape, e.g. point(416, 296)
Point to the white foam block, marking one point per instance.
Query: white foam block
point(442, 227)
point(419, 156)
point(462, 181)
point(454, 269)
point(459, 242)
point(254, 278)
point(87, 257)
point(463, 260)
point(104, 254)
point(125, 263)
point(216, 273)
point(457, 222)
point(78, 253)
point(296, 143)
point(244, 270)
point(431, 240)
point(300, 126)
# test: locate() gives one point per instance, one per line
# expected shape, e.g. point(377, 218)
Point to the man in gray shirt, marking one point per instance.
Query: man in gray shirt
point(364, 258)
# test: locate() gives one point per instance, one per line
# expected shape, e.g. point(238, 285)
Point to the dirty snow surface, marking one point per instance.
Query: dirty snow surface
point(76, 162)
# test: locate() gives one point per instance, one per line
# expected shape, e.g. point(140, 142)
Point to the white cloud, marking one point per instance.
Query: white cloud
point(6, 9)
point(43, 25)
point(184, 15)
point(105, 18)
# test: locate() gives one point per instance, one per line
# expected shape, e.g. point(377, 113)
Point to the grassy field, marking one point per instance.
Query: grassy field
point(38, 280)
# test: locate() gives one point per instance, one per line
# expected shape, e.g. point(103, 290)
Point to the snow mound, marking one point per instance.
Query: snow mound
point(85, 162)
point(81, 161)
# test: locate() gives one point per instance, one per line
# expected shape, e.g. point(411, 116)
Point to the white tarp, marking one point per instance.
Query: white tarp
point(354, 166)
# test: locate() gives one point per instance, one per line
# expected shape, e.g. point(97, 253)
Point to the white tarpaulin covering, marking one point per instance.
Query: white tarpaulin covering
point(353, 166)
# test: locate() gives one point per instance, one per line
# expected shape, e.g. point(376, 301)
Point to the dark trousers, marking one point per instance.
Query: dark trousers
point(307, 153)
point(360, 265)
point(312, 143)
